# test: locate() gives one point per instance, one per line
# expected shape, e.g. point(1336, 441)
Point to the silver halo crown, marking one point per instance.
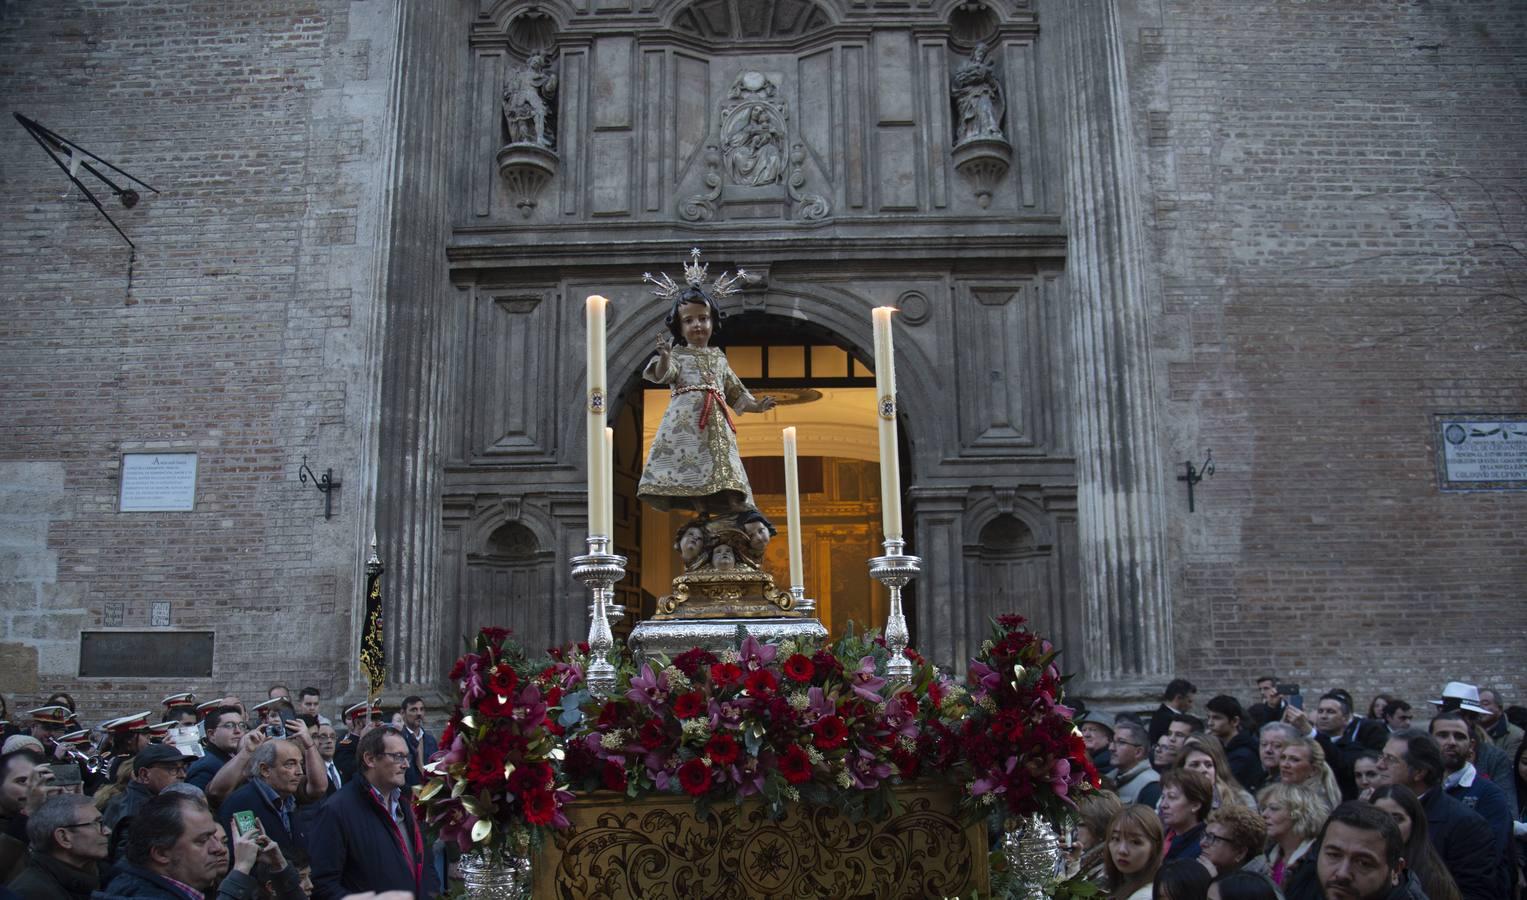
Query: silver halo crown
point(694, 276)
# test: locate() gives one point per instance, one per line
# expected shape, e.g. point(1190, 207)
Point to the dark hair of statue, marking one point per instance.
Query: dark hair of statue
point(692, 295)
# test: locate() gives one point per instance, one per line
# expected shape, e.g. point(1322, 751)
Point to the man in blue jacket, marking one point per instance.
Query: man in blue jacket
point(1458, 834)
point(367, 838)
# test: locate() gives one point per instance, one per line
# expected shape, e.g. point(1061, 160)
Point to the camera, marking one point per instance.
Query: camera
point(275, 730)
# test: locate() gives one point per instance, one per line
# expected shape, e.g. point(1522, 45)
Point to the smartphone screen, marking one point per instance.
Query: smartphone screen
point(244, 821)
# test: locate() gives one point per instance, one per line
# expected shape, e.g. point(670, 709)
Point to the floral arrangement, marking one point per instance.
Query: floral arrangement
point(788, 722)
point(494, 781)
point(1017, 740)
point(785, 722)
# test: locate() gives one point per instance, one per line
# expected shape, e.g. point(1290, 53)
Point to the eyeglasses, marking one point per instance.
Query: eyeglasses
point(395, 757)
point(1124, 743)
point(1209, 839)
point(236, 726)
point(98, 824)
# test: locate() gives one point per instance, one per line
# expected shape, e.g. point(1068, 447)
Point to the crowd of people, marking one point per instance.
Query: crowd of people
point(216, 799)
point(1279, 801)
point(1271, 801)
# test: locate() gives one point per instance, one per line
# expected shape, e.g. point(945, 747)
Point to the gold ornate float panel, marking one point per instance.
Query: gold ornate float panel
point(660, 849)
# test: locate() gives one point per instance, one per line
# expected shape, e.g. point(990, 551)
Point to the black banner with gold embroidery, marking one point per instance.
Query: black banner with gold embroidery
point(373, 649)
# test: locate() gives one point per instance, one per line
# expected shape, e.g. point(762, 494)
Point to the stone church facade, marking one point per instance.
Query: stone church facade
point(1120, 233)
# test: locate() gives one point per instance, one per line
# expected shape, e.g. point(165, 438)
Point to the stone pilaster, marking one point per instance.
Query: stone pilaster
point(428, 67)
point(1127, 641)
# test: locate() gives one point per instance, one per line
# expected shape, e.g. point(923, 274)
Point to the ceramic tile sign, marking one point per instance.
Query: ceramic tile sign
point(158, 482)
point(1476, 453)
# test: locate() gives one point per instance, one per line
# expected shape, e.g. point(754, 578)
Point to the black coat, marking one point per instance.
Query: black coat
point(1342, 752)
point(1467, 847)
point(119, 816)
point(1245, 761)
point(248, 797)
point(415, 774)
point(132, 881)
point(356, 847)
point(46, 878)
point(1161, 719)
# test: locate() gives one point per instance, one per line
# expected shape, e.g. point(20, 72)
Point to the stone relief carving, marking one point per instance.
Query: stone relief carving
point(530, 102)
point(749, 172)
point(753, 122)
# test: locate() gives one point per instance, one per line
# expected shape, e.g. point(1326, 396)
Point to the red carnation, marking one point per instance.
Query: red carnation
point(694, 776)
point(799, 669)
point(761, 682)
point(830, 733)
point(725, 674)
point(495, 636)
point(795, 764)
point(1011, 621)
point(503, 681)
point(460, 669)
point(614, 777)
point(723, 750)
point(906, 763)
point(689, 705)
point(540, 807)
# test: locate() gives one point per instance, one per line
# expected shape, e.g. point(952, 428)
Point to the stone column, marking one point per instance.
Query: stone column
point(1127, 640)
point(428, 69)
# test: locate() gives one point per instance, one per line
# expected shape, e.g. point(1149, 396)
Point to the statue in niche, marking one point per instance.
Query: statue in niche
point(530, 101)
point(977, 99)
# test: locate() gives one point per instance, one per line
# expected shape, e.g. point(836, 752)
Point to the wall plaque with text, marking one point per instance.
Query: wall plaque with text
point(158, 482)
point(1476, 453)
point(146, 654)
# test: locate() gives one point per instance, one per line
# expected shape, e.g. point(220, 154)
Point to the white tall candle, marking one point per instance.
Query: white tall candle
point(609, 483)
point(598, 404)
point(885, 414)
point(793, 510)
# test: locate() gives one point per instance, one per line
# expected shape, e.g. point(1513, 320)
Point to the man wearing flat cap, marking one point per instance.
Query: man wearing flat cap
point(155, 768)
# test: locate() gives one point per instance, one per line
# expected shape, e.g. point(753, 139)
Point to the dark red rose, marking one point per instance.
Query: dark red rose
point(1011, 622)
point(583, 646)
point(614, 776)
point(609, 714)
point(725, 675)
point(799, 669)
point(694, 777)
point(495, 636)
point(723, 750)
point(503, 681)
point(761, 682)
point(530, 777)
point(540, 807)
point(917, 658)
point(795, 764)
point(907, 763)
point(827, 665)
point(651, 736)
point(688, 705)
point(460, 669)
point(830, 733)
point(693, 662)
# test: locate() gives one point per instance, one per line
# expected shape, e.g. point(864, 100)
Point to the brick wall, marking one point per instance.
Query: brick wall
point(239, 331)
point(1339, 217)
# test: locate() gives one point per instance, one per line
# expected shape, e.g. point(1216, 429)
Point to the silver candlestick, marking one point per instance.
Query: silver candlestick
point(802, 603)
point(599, 570)
point(894, 570)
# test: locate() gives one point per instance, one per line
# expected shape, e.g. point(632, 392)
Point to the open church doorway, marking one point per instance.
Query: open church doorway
point(824, 387)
